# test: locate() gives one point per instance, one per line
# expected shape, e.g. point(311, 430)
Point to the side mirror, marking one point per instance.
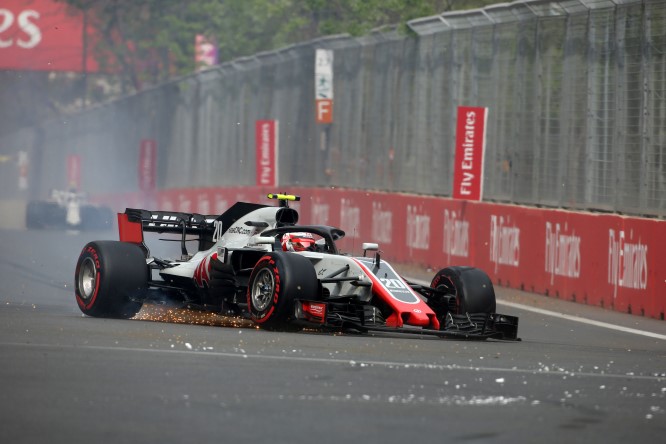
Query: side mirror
point(262, 240)
point(369, 246)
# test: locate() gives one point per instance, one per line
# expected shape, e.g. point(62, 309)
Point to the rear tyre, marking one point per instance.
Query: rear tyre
point(277, 280)
point(110, 280)
point(472, 288)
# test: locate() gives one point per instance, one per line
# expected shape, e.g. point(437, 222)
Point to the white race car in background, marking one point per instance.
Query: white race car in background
point(67, 209)
point(255, 261)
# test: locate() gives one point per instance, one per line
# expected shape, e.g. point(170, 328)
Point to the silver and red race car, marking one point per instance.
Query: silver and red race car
point(255, 261)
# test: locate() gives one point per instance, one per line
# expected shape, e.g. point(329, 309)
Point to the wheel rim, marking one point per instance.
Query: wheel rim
point(448, 286)
point(87, 278)
point(263, 289)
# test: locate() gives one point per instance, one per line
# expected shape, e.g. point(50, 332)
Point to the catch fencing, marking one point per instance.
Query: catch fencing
point(576, 93)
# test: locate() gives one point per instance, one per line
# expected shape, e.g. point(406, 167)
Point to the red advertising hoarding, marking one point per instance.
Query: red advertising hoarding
point(470, 147)
point(147, 165)
point(74, 171)
point(43, 35)
point(605, 260)
point(266, 139)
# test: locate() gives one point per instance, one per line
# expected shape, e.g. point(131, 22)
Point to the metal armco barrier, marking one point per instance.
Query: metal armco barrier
point(604, 260)
point(575, 91)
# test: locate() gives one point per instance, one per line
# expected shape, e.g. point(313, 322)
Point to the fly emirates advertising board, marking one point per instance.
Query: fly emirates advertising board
point(470, 148)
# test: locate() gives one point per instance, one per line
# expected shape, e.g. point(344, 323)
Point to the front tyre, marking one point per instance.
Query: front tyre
point(472, 288)
point(110, 279)
point(277, 280)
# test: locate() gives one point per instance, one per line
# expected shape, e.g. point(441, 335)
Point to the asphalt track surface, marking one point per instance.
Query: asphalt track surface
point(69, 378)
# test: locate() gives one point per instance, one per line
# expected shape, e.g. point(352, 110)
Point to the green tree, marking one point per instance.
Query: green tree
point(148, 41)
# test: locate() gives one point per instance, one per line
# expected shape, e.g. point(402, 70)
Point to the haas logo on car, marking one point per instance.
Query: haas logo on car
point(202, 272)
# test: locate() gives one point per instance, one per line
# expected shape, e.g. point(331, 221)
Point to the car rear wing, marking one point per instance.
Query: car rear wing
point(134, 222)
point(170, 221)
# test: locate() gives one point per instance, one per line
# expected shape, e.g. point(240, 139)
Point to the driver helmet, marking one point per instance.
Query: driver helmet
point(297, 241)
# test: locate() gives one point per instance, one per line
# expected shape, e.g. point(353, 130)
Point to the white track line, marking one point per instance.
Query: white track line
point(583, 320)
point(338, 361)
point(572, 318)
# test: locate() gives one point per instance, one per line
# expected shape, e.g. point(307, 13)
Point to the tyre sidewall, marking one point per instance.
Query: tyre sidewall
point(122, 276)
point(473, 289)
point(294, 278)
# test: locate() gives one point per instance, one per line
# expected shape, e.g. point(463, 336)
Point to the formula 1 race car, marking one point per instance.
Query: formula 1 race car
point(67, 209)
point(254, 261)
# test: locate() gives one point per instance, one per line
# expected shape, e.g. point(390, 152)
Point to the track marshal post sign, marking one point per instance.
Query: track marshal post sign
point(324, 86)
point(470, 147)
point(266, 140)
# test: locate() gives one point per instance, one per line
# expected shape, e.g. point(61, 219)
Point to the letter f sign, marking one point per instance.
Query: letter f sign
point(324, 111)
